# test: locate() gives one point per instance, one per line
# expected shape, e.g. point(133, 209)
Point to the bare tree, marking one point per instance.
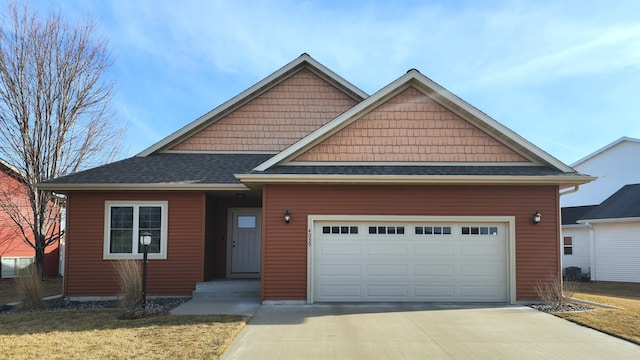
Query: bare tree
point(54, 113)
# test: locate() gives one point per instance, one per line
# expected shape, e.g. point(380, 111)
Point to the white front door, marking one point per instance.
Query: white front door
point(245, 242)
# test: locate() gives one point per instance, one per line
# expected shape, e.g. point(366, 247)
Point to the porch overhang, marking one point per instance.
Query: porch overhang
point(561, 181)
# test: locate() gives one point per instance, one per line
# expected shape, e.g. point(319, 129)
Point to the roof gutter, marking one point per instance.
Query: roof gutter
point(414, 179)
point(140, 187)
point(588, 222)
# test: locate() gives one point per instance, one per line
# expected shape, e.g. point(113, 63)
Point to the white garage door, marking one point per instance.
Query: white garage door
point(387, 261)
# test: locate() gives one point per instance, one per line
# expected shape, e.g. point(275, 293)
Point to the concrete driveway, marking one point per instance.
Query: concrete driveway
point(419, 331)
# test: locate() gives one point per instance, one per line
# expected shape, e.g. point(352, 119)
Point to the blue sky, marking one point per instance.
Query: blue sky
point(563, 74)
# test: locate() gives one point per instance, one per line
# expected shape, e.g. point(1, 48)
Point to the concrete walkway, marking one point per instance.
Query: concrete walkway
point(223, 296)
point(218, 307)
point(419, 331)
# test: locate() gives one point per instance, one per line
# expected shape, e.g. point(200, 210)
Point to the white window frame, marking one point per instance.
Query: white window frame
point(15, 260)
point(164, 205)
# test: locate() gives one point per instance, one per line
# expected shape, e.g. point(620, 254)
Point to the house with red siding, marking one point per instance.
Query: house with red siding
point(15, 253)
point(327, 194)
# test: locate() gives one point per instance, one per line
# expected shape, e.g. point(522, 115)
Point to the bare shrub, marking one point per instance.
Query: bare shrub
point(569, 287)
point(552, 290)
point(29, 287)
point(130, 280)
point(549, 289)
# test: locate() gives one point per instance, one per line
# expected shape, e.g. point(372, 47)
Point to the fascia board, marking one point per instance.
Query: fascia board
point(140, 187)
point(413, 179)
point(331, 76)
point(497, 127)
point(16, 172)
point(603, 149)
point(574, 226)
point(609, 220)
point(253, 91)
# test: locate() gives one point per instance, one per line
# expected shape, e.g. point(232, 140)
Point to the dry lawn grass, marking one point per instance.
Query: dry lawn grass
point(623, 322)
point(98, 334)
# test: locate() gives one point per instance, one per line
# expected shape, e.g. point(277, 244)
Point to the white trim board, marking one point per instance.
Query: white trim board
point(563, 181)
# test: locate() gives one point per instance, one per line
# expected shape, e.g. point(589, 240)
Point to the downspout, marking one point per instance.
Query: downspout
point(575, 188)
point(592, 256)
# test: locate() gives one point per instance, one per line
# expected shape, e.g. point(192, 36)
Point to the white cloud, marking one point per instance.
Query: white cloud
point(615, 47)
point(515, 60)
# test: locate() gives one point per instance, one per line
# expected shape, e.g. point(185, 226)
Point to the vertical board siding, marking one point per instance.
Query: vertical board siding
point(87, 274)
point(285, 245)
point(617, 251)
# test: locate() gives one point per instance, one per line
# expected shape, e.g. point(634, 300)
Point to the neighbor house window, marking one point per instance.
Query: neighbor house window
point(568, 245)
point(14, 266)
point(126, 221)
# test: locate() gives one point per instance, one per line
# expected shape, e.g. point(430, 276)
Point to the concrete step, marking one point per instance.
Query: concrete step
point(228, 289)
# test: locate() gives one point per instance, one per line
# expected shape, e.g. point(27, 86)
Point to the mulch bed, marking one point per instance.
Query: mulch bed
point(156, 306)
point(563, 307)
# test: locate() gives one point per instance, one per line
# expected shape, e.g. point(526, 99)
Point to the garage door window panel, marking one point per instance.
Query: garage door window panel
point(339, 229)
point(479, 230)
point(433, 230)
point(386, 230)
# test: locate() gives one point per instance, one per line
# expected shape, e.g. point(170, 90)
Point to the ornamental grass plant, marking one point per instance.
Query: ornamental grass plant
point(130, 279)
point(29, 288)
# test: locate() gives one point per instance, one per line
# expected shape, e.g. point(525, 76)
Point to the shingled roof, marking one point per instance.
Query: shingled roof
point(623, 204)
point(571, 214)
point(160, 167)
point(168, 170)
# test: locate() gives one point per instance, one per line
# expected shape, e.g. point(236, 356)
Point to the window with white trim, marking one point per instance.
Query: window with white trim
point(12, 266)
point(126, 221)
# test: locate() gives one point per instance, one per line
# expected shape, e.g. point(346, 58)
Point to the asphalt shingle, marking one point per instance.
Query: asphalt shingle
point(624, 203)
point(571, 215)
point(169, 168)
